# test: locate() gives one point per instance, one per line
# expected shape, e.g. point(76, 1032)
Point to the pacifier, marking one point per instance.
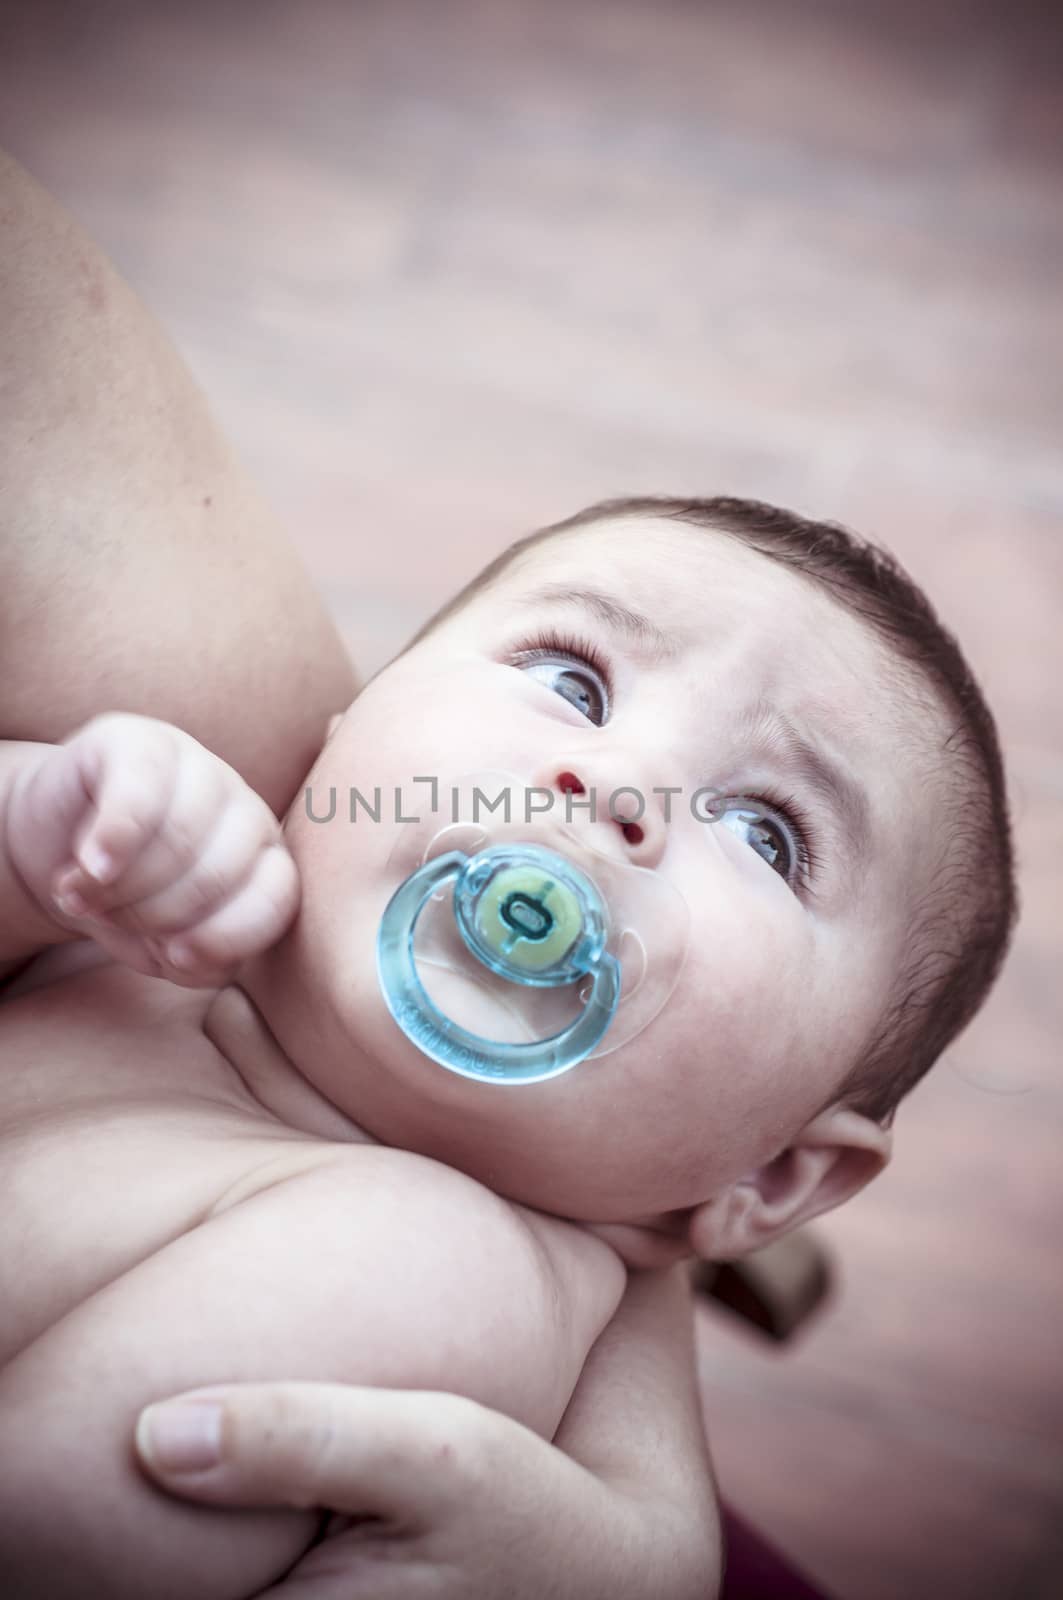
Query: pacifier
point(513, 947)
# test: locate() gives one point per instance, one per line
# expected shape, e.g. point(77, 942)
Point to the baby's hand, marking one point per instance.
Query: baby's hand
point(132, 834)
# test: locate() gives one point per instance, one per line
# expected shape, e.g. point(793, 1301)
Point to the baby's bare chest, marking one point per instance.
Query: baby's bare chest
point(121, 1129)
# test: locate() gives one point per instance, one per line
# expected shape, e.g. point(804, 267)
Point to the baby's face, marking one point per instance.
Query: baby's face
point(743, 678)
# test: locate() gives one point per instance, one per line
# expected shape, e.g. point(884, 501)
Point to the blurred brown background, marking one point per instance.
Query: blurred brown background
point(450, 270)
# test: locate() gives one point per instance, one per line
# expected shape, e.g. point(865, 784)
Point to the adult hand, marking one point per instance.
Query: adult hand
point(443, 1498)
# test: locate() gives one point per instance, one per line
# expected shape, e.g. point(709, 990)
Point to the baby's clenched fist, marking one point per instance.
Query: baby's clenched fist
point(134, 835)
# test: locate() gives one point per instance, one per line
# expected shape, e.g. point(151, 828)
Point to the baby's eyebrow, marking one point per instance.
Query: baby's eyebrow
point(846, 797)
point(610, 610)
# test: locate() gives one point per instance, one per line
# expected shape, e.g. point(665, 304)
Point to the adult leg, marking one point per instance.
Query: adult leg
point(139, 570)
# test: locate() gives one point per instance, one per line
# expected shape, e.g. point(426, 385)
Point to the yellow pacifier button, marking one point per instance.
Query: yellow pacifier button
point(528, 918)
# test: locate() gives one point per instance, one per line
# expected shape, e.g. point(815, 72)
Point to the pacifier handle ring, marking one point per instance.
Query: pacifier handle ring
point(447, 1042)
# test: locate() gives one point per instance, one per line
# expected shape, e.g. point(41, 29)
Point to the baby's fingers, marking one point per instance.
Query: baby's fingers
point(129, 768)
point(212, 875)
point(169, 849)
point(253, 919)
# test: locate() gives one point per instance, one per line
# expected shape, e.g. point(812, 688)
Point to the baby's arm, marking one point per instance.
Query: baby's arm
point(25, 925)
point(132, 834)
point(344, 1272)
point(635, 1424)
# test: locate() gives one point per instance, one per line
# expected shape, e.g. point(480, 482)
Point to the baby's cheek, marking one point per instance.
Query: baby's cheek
point(854, 976)
point(751, 997)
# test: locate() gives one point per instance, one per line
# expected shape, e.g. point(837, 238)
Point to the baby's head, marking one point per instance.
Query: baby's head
point(849, 907)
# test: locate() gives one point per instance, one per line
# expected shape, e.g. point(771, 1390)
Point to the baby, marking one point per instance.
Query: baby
point(248, 1171)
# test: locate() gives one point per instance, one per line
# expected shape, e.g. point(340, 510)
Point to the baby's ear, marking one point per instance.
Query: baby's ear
point(832, 1158)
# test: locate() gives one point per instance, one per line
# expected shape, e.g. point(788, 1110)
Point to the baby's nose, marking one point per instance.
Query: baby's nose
point(611, 806)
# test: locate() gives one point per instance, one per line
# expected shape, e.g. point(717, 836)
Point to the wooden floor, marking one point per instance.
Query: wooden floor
point(451, 269)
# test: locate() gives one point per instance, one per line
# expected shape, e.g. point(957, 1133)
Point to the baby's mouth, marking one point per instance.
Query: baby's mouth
point(523, 933)
point(476, 998)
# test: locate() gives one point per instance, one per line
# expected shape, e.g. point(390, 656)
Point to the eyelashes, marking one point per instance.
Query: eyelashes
point(554, 642)
point(547, 642)
point(803, 830)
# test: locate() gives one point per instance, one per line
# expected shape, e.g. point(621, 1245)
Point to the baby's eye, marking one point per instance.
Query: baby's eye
point(576, 681)
point(766, 832)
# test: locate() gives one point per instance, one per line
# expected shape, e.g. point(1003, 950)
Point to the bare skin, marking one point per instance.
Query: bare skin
point(118, 498)
point(139, 569)
point(271, 1237)
point(284, 1139)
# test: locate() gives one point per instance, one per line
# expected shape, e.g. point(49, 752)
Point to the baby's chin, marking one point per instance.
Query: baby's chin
point(570, 1145)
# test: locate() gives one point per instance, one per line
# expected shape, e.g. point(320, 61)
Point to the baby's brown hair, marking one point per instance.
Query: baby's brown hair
point(965, 920)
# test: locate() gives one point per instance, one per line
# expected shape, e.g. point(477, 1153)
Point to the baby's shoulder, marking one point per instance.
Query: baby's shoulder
point(124, 1127)
point(121, 1130)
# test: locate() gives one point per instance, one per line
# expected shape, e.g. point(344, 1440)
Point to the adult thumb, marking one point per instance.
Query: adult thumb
point(408, 1457)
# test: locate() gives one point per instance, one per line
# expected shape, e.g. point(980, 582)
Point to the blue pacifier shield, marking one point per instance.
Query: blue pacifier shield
point(530, 917)
point(510, 951)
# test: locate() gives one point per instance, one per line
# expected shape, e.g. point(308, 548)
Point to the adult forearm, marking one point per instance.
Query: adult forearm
point(139, 568)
